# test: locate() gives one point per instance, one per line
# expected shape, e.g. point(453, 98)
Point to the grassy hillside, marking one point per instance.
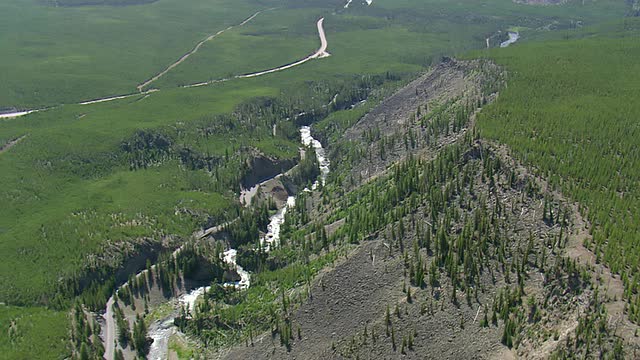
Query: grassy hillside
point(89, 186)
point(570, 111)
point(69, 176)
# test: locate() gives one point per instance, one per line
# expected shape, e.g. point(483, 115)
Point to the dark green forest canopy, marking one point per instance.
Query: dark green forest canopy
point(571, 111)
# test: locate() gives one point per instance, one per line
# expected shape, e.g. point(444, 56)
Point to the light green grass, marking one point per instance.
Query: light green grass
point(37, 333)
point(274, 38)
point(57, 55)
point(181, 348)
point(66, 165)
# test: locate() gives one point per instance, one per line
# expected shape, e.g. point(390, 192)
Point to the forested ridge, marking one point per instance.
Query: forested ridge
point(463, 229)
point(570, 112)
point(485, 205)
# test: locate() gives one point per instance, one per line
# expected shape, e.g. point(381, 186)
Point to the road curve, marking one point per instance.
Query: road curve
point(109, 328)
point(194, 50)
point(319, 54)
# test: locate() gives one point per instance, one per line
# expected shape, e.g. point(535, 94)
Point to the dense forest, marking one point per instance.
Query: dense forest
point(570, 113)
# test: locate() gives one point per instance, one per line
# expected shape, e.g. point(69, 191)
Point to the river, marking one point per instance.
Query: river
point(513, 37)
point(323, 161)
point(162, 330)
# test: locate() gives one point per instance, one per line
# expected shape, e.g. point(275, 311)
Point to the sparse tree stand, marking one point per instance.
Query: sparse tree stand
point(119, 355)
point(393, 338)
point(140, 341)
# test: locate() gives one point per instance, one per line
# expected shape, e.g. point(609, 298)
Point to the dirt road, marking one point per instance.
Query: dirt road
point(194, 50)
point(111, 98)
point(319, 54)
point(110, 331)
point(11, 143)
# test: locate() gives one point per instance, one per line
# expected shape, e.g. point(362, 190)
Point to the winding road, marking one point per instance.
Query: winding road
point(319, 54)
point(16, 114)
point(194, 50)
point(96, 101)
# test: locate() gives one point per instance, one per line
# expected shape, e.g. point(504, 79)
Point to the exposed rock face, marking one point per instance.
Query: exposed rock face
point(231, 276)
point(261, 168)
point(384, 131)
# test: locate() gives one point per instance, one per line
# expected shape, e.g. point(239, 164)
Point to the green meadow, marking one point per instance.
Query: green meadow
point(73, 193)
point(69, 54)
point(65, 54)
point(70, 162)
point(33, 333)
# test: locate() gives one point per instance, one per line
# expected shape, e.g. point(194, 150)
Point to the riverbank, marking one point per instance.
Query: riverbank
point(162, 329)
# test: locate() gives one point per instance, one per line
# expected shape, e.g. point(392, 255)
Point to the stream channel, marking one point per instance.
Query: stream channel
point(160, 331)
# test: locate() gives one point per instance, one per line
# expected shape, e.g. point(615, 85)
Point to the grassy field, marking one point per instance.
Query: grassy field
point(273, 38)
point(71, 53)
point(68, 54)
point(68, 189)
point(71, 164)
point(21, 326)
point(387, 36)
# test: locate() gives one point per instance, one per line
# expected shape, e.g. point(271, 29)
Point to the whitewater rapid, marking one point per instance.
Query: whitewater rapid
point(230, 258)
point(271, 238)
point(323, 160)
point(513, 37)
point(161, 331)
